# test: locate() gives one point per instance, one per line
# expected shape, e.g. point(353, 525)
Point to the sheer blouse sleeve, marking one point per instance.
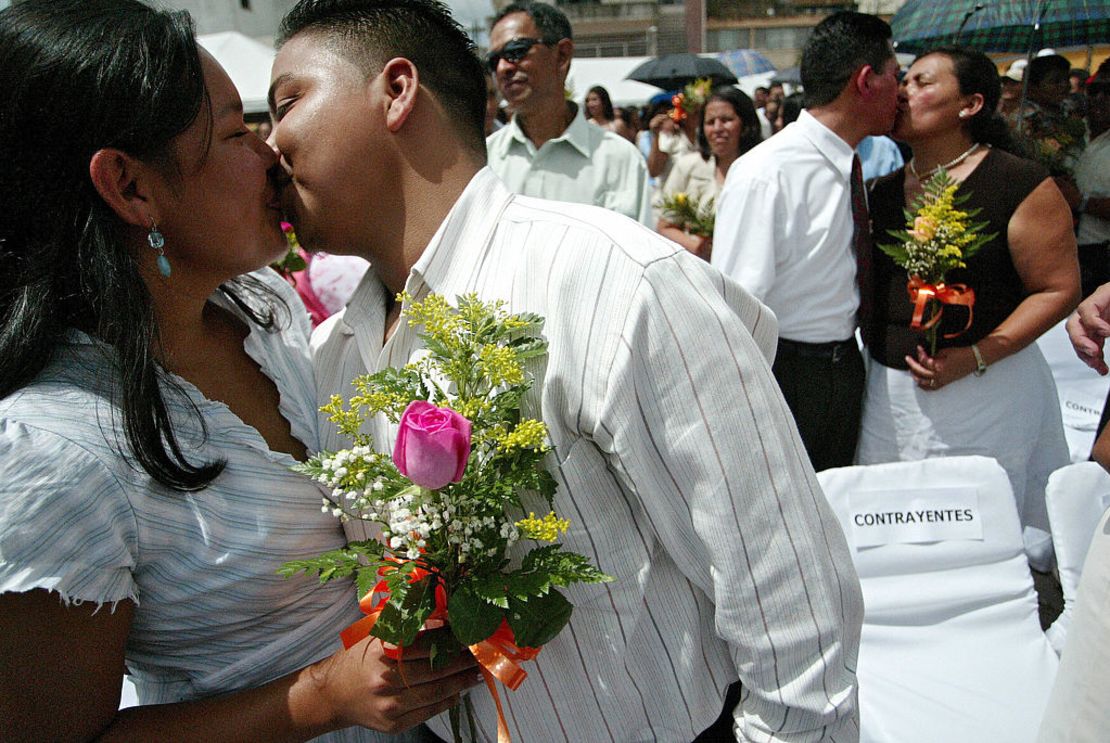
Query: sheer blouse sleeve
point(66, 524)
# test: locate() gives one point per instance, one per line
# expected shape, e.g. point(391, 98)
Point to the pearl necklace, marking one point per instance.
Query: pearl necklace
point(967, 153)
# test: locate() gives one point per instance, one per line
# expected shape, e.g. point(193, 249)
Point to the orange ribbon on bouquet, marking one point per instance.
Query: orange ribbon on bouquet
point(952, 294)
point(498, 655)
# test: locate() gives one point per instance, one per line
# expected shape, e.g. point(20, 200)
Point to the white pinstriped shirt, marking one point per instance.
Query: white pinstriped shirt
point(678, 466)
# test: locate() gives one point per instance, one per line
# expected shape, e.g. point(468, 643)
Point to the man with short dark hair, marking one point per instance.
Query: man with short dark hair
point(549, 149)
point(673, 452)
point(791, 226)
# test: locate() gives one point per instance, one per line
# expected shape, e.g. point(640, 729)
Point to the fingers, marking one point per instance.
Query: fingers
point(411, 672)
point(449, 692)
point(923, 369)
point(1087, 330)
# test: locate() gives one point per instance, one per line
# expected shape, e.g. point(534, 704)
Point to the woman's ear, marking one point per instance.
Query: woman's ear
point(120, 180)
point(973, 106)
point(402, 83)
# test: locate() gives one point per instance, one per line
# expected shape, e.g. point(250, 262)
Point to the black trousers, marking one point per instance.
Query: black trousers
point(823, 385)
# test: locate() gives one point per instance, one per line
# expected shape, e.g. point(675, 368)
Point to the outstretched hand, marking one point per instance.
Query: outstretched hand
point(364, 686)
point(1088, 328)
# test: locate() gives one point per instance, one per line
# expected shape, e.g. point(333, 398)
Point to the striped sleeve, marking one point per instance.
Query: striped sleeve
point(704, 439)
point(65, 523)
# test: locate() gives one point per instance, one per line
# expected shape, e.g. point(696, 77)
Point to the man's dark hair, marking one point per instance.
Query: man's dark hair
point(837, 48)
point(551, 22)
point(371, 32)
point(1040, 67)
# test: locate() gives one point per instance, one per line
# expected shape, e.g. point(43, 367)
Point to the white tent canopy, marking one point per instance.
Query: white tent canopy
point(609, 73)
point(247, 63)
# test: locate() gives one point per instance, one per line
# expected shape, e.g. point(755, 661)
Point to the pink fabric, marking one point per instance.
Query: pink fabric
point(328, 282)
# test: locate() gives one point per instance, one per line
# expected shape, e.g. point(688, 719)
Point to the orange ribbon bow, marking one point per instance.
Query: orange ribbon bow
point(498, 655)
point(678, 113)
point(955, 294)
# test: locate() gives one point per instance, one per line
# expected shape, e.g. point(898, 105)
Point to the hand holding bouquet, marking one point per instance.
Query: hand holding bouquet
point(691, 99)
point(465, 459)
point(689, 215)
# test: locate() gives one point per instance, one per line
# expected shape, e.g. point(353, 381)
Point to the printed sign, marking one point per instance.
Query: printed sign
point(914, 515)
point(1081, 409)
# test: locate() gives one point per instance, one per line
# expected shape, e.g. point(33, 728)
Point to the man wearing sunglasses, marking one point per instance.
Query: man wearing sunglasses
point(549, 150)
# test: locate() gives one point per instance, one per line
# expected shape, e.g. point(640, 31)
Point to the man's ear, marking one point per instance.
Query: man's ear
point(564, 53)
point(121, 181)
point(862, 79)
point(402, 84)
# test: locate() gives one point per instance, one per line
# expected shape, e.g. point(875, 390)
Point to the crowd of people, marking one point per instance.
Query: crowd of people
point(158, 380)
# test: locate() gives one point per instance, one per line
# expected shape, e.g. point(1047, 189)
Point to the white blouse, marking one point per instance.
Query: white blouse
point(82, 519)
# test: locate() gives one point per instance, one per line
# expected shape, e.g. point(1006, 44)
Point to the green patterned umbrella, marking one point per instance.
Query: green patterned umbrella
point(1001, 25)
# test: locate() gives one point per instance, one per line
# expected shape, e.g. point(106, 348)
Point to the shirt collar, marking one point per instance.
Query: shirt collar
point(827, 142)
point(451, 257)
point(577, 133)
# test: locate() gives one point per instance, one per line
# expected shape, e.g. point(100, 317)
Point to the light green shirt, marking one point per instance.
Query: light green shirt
point(585, 165)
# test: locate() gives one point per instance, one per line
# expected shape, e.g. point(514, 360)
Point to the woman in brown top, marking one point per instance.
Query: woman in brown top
point(988, 390)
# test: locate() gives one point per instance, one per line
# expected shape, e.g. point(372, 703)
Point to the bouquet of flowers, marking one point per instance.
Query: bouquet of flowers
point(687, 214)
point(464, 460)
point(292, 262)
point(691, 99)
point(938, 237)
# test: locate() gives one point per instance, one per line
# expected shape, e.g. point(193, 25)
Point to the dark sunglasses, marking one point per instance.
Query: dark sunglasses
point(513, 51)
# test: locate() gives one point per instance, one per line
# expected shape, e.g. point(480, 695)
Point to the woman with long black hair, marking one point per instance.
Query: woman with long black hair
point(155, 388)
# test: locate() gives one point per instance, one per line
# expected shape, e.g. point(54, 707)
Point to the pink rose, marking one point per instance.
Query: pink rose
point(433, 445)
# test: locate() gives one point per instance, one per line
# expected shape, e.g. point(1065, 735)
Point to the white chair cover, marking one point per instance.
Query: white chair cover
point(1082, 392)
point(1078, 710)
point(951, 648)
point(1076, 497)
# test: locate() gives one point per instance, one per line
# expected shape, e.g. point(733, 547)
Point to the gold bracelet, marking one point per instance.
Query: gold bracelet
point(980, 365)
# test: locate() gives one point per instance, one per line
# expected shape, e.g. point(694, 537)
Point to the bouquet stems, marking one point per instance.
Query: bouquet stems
point(931, 333)
point(464, 709)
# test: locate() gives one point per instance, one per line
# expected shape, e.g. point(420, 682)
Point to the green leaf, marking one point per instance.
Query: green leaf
point(340, 563)
point(538, 620)
point(491, 588)
point(444, 650)
point(406, 612)
point(524, 585)
point(365, 580)
point(473, 619)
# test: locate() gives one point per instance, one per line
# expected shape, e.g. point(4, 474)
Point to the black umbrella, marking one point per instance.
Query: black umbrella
point(672, 71)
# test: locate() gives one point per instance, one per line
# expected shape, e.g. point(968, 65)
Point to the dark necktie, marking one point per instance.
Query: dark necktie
point(861, 244)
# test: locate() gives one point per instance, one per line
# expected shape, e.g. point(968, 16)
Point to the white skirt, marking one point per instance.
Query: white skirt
point(1011, 413)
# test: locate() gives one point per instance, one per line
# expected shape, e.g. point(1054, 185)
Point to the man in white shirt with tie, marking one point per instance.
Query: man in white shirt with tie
point(787, 231)
point(673, 451)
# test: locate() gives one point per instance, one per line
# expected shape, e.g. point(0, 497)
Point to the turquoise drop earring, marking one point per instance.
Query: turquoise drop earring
point(158, 242)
